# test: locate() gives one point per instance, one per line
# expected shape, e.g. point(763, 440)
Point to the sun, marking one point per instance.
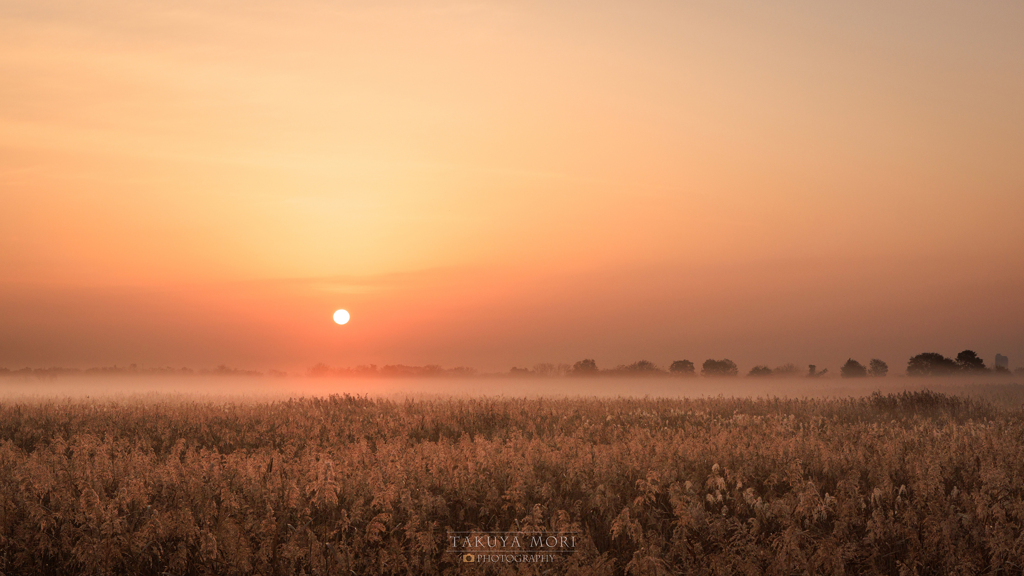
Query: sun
point(341, 316)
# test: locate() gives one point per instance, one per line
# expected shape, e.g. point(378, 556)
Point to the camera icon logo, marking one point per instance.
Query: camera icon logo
point(468, 558)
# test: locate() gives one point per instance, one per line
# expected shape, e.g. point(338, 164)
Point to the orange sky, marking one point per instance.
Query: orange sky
point(503, 183)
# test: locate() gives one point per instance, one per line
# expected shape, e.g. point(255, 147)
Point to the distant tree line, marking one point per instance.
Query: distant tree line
point(711, 368)
point(926, 364)
point(854, 369)
point(966, 363)
point(135, 370)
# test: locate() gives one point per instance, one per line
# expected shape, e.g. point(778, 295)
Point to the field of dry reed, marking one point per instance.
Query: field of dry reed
point(910, 483)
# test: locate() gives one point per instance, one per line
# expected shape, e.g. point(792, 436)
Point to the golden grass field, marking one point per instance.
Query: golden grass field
point(914, 482)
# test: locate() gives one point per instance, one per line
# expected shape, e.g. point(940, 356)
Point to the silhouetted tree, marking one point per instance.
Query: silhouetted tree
point(760, 371)
point(878, 368)
point(786, 370)
point(931, 364)
point(968, 361)
point(320, 369)
point(371, 370)
point(639, 368)
point(461, 371)
point(853, 369)
point(682, 368)
point(643, 366)
point(544, 369)
point(716, 368)
point(812, 371)
point(585, 367)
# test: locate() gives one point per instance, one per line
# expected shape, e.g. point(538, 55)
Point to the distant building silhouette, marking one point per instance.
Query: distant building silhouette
point(1002, 361)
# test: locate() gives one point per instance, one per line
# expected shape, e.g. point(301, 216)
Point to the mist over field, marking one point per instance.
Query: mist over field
point(269, 388)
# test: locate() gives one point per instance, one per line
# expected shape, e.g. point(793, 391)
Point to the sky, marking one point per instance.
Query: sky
point(496, 184)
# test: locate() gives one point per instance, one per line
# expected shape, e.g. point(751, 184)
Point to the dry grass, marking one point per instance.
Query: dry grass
point(907, 483)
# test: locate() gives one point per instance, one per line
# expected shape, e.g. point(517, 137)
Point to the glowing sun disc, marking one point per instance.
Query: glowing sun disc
point(341, 316)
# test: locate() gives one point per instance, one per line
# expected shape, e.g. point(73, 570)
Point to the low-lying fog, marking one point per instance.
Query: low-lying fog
point(241, 388)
